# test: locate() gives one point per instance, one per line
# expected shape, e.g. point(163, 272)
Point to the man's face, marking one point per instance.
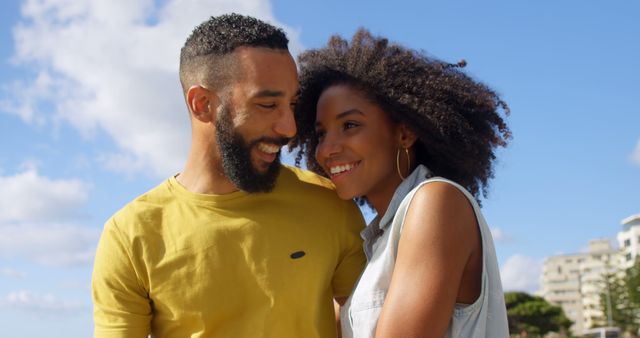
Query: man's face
point(256, 119)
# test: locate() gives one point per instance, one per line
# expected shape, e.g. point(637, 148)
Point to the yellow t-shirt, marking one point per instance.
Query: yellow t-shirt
point(176, 264)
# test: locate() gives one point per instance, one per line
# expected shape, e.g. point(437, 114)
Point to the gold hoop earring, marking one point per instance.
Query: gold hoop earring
point(406, 151)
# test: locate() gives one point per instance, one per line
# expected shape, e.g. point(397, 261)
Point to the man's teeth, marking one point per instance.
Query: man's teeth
point(268, 148)
point(341, 168)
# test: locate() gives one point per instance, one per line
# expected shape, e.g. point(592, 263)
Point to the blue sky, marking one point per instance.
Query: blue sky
point(91, 115)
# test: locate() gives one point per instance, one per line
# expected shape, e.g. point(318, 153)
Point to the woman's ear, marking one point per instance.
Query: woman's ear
point(406, 136)
point(202, 103)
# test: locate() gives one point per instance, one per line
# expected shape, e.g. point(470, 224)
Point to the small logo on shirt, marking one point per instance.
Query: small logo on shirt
point(297, 254)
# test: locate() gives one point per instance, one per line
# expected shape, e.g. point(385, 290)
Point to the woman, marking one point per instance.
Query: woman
point(414, 138)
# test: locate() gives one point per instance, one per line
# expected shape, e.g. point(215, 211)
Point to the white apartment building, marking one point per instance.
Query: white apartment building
point(629, 240)
point(575, 282)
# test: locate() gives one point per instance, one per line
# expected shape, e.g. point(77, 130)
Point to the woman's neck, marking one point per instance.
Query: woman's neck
point(381, 197)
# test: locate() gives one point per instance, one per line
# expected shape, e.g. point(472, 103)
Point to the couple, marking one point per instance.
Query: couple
point(238, 245)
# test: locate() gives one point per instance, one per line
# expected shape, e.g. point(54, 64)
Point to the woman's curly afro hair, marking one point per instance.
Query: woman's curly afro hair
point(458, 121)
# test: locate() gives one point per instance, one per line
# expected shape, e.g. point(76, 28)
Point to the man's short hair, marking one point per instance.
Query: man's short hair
point(205, 56)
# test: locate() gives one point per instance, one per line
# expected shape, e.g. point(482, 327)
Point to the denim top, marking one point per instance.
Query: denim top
point(486, 317)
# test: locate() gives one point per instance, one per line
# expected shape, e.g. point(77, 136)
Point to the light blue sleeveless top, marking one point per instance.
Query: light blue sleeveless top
point(486, 317)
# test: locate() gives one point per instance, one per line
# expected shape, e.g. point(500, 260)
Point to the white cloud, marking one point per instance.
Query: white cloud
point(37, 216)
point(82, 285)
point(635, 155)
point(498, 235)
point(112, 65)
point(28, 196)
point(47, 304)
point(12, 273)
point(521, 273)
point(49, 244)
point(501, 237)
point(25, 98)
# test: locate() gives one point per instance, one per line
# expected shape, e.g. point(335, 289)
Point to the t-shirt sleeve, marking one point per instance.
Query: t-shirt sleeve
point(121, 304)
point(352, 258)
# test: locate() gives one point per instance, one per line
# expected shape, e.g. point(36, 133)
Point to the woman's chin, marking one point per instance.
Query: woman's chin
point(346, 195)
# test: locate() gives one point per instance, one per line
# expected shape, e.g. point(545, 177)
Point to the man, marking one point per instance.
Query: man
point(236, 245)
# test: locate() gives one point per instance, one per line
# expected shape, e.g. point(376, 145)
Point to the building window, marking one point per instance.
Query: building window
point(627, 242)
point(559, 269)
point(638, 239)
point(628, 256)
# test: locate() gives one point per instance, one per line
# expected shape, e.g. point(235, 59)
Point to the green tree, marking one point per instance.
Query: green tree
point(622, 291)
point(532, 315)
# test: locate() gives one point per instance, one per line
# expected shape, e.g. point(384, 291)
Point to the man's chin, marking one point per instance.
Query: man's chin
point(262, 179)
point(263, 170)
point(262, 167)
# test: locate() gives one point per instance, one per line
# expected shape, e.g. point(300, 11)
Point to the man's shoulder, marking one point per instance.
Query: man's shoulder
point(145, 208)
point(317, 195)
point(302, 178)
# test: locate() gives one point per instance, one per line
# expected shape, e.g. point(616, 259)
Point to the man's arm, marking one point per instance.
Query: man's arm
point(121, 305)
point(352, 259)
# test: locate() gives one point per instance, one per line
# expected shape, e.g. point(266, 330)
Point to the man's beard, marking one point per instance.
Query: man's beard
point(236, 157)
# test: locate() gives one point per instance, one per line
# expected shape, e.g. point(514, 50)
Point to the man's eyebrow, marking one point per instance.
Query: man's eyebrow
point(268, 93)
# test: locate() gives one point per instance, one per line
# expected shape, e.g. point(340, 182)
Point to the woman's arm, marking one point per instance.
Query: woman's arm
point(440, 237)
point(337, 306)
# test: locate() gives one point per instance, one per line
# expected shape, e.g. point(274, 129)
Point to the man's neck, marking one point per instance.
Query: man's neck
point(203, 175)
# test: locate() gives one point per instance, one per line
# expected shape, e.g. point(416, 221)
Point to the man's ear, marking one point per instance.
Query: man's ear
point(406, 136)
point(202, 103)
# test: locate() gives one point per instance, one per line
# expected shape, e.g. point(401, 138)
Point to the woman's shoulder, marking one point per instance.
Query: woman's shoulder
point(440, 207)
point(439, 192)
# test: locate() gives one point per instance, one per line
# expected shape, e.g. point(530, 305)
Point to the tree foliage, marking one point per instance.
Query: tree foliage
point(534, 315)
point(624, 292)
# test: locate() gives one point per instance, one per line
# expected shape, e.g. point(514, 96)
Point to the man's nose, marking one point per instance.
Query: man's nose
point(285, 126)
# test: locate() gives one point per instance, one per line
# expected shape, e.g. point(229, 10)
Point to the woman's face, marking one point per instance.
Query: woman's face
point(357, 144)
